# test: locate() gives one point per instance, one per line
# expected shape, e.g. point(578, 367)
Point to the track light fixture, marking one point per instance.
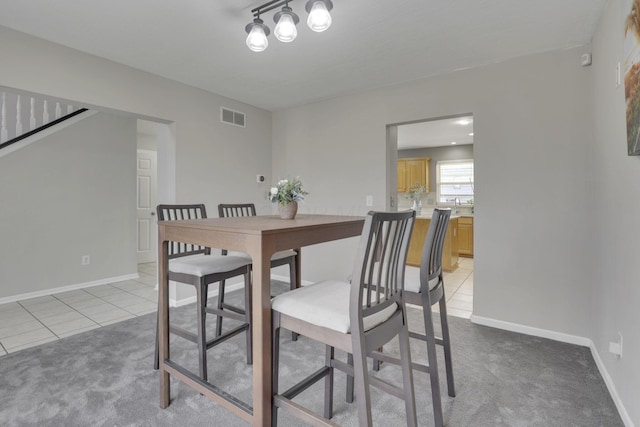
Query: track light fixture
point(257, 38)
point(286, 20)
point(319, 17)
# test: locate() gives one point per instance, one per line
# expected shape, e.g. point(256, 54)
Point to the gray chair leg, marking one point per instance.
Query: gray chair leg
point(433, 363)
point(349, 397)
point(407, 377)
point(247, 315)
point(201, 295)
point(361, 377)
point(220, 303)
point(292, 286)
point(446, 343)
point(328, 383)
point(376, 362)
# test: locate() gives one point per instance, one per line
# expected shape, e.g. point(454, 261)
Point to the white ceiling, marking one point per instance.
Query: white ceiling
point(436, 133)
point(370, 44)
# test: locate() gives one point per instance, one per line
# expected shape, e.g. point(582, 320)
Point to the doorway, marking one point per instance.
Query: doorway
point(146, 191)
point(153, 141)
point(434, 158)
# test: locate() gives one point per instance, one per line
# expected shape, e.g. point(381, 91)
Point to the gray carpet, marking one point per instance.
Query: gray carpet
point(104, 377)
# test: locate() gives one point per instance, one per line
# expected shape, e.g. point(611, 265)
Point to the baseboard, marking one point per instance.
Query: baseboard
point(68, 288)
point(626, 419)
point(570, 339)
point(529, 330)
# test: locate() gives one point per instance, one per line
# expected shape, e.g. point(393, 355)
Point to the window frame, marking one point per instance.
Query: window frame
point(439, 182)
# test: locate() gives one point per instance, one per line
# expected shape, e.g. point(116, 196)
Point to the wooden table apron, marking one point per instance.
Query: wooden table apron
point(260, 237)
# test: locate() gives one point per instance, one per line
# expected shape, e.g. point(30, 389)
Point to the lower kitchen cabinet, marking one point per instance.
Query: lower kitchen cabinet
point(449, 251)
point(465, 236)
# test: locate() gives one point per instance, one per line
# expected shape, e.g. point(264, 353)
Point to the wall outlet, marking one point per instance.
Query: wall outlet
point(616, 347)
point(86, 260)
point(259, 179)
point(369, 200)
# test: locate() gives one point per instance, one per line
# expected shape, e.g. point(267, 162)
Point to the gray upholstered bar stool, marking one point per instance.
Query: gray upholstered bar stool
point(426, 291)
point(357, 317)
point(197, 266)
point(287, 257)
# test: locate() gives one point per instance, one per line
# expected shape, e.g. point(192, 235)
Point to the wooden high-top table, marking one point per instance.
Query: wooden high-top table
point(260, 237)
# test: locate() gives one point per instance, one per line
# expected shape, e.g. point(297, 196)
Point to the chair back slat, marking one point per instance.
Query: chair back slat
point(431, 261)
point(235, 210)
point(378, 276)
point(178, 213)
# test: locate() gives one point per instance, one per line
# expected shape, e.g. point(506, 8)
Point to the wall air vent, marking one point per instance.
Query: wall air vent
point(232, 117)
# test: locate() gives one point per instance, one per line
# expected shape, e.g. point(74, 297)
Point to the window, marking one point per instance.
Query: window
point(454, 179)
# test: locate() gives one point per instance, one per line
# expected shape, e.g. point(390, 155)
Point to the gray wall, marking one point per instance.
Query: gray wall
point(523, 110)
point(615, 296)
point(212, 162)
point(65, 196)
point(542, 264)
point(436, 154)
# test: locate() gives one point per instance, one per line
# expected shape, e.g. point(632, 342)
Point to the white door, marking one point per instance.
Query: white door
point(147, 187)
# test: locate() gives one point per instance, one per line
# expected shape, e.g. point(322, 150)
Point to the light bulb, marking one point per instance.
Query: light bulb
point(319, 17)
point(285, 30)
point(257, 38)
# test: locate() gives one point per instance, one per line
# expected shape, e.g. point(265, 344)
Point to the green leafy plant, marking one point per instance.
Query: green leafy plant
point(416, 193)
point(287, 191)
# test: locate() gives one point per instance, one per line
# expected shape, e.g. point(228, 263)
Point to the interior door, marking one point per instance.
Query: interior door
point(147, 186)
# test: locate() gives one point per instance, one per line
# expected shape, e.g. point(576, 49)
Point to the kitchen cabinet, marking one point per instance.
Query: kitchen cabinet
point(449, 251)
point(413, 171)
point(465, 236)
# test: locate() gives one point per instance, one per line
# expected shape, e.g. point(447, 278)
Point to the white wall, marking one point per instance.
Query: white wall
point(65, 196)
point(533, 176)
point(556, 239)
point(213, 162)
point(616, 297)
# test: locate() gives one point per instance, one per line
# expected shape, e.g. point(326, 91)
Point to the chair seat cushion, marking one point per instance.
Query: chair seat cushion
point(278, 255)
point(203, 265)
point(326, 304)
point(412, 280)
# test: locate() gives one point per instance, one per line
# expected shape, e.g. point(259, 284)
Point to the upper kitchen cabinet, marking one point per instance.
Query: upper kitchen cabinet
point(413, 171)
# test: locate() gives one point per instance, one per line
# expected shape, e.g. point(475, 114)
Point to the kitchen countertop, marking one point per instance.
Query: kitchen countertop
point(428, 213)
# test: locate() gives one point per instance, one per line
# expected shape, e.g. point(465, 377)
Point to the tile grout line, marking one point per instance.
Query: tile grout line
point(39, 321)
point(72, 309)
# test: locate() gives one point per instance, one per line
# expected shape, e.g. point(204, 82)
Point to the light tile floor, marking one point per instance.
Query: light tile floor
point(458, 289)
point(36, 321)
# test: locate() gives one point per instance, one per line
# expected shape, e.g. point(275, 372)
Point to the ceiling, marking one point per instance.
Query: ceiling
point(370, 43)
point(436, 133)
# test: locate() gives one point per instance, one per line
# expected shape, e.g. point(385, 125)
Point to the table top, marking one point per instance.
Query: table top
point(264, 224)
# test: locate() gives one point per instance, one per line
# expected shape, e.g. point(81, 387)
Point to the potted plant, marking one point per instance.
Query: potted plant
point(415, 194)
point(287, 193)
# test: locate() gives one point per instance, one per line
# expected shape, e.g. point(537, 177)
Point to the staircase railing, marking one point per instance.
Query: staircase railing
point(42, 114)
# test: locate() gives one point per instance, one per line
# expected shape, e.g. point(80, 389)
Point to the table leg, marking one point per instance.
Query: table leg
point(261, 295)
